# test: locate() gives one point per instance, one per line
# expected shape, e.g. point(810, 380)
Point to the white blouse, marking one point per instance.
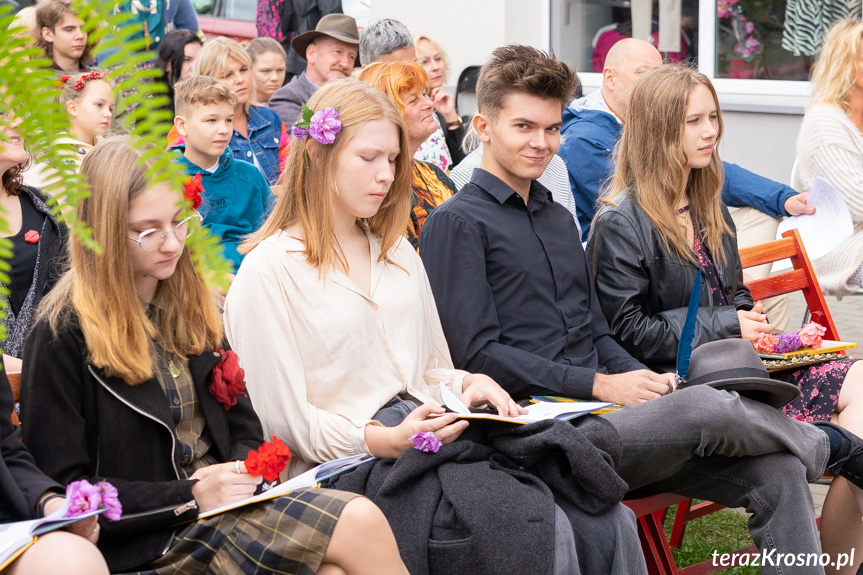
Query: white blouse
point(321, 357)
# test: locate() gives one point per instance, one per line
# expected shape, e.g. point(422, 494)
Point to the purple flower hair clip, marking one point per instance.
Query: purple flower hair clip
point(426, 441)
point(322, 125)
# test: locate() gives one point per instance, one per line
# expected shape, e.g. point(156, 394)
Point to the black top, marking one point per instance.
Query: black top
point(24, 253)
point(513, 290)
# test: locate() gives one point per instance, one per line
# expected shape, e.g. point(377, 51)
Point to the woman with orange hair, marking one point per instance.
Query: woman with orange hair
point(406, 85)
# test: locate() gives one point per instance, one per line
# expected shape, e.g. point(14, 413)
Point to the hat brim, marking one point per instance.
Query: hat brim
point(301, 42)
point(769, 391)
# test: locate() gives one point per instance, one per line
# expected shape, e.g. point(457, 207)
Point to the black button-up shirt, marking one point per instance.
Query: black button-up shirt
point(513, 291)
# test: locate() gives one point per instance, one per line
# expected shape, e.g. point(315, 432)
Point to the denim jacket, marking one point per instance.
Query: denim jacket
point(265, 133)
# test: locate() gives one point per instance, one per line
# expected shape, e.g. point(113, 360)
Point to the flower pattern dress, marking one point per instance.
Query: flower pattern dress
point(434, 149)
point(819, 384)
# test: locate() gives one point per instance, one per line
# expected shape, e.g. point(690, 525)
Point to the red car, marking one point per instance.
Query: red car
point(232, 18)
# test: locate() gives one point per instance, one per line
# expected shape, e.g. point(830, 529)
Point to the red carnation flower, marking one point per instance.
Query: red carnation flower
point(193, 190)
point(229, 379)
point(269, 460)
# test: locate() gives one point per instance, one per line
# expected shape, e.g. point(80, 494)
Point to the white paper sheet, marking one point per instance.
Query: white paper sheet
point(823, 231)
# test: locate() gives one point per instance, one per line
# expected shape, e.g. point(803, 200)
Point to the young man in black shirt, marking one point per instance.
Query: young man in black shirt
point(513, 291)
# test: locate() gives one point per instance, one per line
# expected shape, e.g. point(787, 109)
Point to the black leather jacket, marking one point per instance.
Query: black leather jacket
point(643, 289)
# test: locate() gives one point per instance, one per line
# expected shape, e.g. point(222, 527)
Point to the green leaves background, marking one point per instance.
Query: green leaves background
point(28, 91)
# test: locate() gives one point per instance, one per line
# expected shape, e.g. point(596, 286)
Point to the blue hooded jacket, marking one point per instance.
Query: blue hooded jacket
point(587, 149)
point(236, 200)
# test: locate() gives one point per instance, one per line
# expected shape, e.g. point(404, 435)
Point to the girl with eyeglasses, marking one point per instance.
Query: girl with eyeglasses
point(127, 378)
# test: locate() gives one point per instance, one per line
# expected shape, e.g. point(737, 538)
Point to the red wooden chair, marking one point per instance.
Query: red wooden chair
point(650, 509)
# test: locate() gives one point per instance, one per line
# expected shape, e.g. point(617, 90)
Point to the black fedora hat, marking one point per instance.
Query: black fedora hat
point(339, 26)
point(733, 365)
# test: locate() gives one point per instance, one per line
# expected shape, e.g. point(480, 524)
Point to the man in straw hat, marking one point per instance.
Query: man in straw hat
point(331, 50)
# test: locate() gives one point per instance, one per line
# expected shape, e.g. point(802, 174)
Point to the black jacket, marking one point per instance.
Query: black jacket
point(484, 504)
point(643, 289)
point(79, 423)
point(21, 482)
point(50, 264)
point(454, 138)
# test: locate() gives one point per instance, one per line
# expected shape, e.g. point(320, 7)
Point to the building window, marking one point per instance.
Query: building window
point(763, 39)
point(584, 30)
point(742, 39)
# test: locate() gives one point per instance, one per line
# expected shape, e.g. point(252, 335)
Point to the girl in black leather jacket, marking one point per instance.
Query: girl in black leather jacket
point(661, 222)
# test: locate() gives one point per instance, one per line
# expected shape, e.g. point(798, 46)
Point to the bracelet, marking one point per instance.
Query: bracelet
point(454, 124)
point(41, 507)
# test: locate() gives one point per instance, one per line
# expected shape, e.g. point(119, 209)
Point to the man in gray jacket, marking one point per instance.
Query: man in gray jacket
point(331, 50)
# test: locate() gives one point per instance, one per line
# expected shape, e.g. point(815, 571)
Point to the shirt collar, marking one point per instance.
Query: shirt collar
point(256, 120)
point(601, 104)
point(291, 244)
point(501, 191)
point(304, 76)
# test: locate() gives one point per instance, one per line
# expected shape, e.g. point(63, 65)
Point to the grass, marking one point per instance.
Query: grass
point(723, 531)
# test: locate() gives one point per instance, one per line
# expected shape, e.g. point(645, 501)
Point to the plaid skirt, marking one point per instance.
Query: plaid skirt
point(288, 534)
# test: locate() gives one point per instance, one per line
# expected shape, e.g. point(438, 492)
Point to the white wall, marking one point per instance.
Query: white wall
point(761, 143)
point(468, 30)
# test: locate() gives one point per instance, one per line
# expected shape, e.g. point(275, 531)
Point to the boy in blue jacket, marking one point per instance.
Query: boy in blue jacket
point(237, 198)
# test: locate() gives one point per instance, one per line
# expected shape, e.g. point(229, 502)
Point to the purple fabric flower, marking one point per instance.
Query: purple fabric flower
point(324, 125)
point(788, 341)
point(299, 133)
point(426, 441)
point(111, 500)
point(83, 497)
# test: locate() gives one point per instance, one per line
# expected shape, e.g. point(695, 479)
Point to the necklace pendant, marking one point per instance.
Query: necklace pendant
point(175, 371)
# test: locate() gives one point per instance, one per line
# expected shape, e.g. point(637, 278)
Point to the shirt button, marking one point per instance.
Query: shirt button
point(216, 353)
point(186, 459)
point(248, 154)
point(727, 290)
point(176, 401)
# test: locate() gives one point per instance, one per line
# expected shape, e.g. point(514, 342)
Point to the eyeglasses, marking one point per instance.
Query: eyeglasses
point(152, 239)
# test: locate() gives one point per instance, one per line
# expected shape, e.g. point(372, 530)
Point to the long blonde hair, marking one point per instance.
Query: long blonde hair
point(651, 161)
point(835, 70)
point(100, 288)
point(308, 187)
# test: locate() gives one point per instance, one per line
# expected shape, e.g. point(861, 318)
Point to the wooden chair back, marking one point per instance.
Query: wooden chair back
point(801, 277)
point(15, 383)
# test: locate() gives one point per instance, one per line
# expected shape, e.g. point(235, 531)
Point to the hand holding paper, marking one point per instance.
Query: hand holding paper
point(823, 231)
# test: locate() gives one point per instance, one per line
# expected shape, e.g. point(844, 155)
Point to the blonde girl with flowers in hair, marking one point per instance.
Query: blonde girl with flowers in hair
point(127, 378)
point(89, 101)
